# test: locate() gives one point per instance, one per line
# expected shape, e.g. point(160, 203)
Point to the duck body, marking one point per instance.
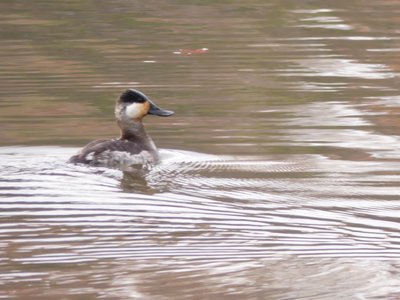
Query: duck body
point(135, 148)
point(117, 153)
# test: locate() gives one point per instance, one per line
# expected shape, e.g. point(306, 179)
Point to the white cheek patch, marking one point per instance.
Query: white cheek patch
point(135, 110)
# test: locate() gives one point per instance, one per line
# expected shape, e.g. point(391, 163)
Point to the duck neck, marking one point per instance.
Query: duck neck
point(134, 131)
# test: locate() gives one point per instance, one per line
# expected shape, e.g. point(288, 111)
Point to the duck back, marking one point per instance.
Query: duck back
point(118, 153)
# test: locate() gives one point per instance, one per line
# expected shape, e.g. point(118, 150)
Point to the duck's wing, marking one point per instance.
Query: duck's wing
point(96, 148)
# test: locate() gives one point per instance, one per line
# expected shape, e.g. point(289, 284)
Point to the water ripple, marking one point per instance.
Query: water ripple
point(198, 211)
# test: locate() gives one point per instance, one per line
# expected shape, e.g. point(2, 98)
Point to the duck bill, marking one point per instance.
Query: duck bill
point(158, 111)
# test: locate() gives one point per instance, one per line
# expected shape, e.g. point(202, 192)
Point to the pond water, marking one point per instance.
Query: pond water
point(280, 172)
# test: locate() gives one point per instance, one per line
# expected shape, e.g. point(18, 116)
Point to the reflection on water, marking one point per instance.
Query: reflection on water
point(344, 68)
point(292, 188)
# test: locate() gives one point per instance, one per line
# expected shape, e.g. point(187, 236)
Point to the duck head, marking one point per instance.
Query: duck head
point(133, 105)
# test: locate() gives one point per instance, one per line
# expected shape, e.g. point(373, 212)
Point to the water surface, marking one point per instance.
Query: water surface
point(280, 169)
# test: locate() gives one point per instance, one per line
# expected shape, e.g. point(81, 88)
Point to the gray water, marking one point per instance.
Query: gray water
point(280, 168)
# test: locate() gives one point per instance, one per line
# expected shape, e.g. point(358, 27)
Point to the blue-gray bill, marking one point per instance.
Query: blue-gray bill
point(158, 111)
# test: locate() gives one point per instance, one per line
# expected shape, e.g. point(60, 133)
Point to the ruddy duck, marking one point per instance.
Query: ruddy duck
point(134, 147)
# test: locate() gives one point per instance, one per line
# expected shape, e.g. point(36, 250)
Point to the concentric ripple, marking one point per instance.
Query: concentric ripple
point(227, 210)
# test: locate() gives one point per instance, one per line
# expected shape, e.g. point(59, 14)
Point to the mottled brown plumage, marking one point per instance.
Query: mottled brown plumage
point(95, 148)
